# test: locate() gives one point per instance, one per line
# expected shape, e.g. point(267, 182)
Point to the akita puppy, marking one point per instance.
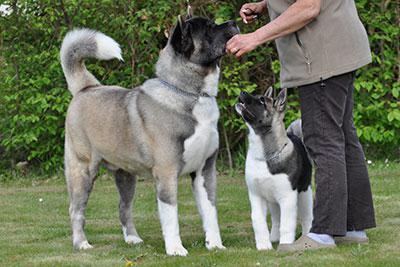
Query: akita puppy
point(278, 171)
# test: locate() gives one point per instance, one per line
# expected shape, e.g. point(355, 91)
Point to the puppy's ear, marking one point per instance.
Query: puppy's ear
point(269, 98)
point(270, 92)
point(189, 14)
point(181, 39)
point(280, 102)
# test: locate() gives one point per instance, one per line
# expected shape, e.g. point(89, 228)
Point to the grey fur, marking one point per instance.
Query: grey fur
point(126, 184)
point(78, 45)
point(209, 174)
point(295, 129)
point(140, 131)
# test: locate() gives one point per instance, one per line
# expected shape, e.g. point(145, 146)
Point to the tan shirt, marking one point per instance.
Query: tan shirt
point(334, 43)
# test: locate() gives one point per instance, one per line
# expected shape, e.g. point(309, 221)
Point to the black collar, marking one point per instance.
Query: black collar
point(183, 92)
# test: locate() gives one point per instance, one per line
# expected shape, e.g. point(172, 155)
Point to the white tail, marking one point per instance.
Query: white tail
point(80, 44)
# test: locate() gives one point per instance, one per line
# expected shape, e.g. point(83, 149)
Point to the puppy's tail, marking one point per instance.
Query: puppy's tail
point(80, 44)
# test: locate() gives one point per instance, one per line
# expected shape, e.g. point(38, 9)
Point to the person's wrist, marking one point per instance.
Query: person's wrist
point(257, 38)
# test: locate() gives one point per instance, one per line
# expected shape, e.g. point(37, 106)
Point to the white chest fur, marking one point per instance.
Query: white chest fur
point(200, 146)
point(260, 181)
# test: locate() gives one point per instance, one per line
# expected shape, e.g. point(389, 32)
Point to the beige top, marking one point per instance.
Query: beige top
point(334, 43)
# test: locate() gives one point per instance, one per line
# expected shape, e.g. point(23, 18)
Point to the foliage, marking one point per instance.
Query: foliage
point(35, 99)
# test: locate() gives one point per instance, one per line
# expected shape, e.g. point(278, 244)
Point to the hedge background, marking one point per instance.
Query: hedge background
point(33, 91)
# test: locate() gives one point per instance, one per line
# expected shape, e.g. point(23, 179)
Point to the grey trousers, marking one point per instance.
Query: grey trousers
point(343, 200)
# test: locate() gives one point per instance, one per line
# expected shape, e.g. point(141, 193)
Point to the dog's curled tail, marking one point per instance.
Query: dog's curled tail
point(80, 44)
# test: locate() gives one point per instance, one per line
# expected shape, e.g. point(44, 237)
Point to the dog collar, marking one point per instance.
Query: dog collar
point(277, 154)
point(183, 92)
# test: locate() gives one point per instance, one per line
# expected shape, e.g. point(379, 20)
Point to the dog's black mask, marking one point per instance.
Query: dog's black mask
point(201, 41)
point(260, 111)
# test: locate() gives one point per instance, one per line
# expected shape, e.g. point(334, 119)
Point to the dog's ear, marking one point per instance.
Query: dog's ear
point(269, 98)
point(280, 102)
point(269, 93)
point(181, 39)
point(189, 14)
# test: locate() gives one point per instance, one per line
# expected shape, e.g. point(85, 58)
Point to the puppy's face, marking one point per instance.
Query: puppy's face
point(262, 111)
point(201, 41)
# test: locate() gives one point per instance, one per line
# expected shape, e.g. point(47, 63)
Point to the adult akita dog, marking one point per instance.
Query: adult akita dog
point(165, 127)
point(278, 171)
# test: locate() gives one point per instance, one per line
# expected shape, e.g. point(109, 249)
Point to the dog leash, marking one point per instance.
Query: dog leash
point(182, 92)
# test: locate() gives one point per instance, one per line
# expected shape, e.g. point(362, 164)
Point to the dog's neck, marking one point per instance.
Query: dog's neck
point(185, 75)
point(275, 142)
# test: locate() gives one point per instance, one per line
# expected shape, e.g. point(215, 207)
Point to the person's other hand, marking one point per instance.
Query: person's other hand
point(250, 11)
point(241, 44)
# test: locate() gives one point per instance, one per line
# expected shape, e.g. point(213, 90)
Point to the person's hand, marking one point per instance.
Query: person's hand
point(250, 11)
point(241, 44)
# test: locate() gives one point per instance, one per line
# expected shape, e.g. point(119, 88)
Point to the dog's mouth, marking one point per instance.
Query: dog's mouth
point(244, 111)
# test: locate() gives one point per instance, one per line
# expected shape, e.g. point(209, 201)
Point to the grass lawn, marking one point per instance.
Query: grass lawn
point(35, 230)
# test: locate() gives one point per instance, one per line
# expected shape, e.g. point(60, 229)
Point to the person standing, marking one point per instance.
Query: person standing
point(321, 44)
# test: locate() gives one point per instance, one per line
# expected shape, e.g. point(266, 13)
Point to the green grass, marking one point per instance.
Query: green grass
point(34, 233)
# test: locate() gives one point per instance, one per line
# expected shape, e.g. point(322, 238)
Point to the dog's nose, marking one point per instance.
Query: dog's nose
point(244, 98)
point(232, 23)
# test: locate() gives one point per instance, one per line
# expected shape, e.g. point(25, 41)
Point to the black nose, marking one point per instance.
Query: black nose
point(232, 23)
point(245, 98)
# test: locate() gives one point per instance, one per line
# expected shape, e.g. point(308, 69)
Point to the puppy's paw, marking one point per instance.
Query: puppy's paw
point(213, 241)
point(132, 239)
point(264, 246)
point(176, 250)
point(83, 245)
point(211, 246)
point(274, 237)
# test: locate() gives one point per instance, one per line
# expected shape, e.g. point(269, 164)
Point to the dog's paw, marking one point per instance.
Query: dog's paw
point(132, 239)
point(213, 241)
point(266, 246)
point(214, 245)
point(274, 237)
point(83, 245)
point(177, 250)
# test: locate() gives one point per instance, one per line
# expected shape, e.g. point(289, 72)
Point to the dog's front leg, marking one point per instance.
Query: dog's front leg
point(259, 221)
point(288, 207)
point(204, 188)
point(167, 191)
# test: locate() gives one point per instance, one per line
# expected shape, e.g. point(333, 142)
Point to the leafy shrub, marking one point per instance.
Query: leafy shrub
point(34, 96)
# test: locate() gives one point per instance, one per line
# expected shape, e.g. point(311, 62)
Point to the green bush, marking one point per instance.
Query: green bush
point(34, 96)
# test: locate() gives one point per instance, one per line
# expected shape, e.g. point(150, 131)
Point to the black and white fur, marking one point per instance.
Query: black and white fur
point(165, 128)
point(278, 171)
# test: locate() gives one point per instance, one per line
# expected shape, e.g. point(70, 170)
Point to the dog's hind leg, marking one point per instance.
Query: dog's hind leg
point(306, 210)
point(166, 176)
point(80, 175)
point(204, 187)
point(126, 184)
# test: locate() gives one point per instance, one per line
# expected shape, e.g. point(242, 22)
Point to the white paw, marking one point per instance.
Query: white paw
point(131, 239)
point(266, 246)
point(84, 245)
point(213, 241)
point(176, 250)
point(216, 245)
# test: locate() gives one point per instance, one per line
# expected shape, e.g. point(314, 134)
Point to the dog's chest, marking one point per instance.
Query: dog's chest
point(204, 141)
point(259, 179)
